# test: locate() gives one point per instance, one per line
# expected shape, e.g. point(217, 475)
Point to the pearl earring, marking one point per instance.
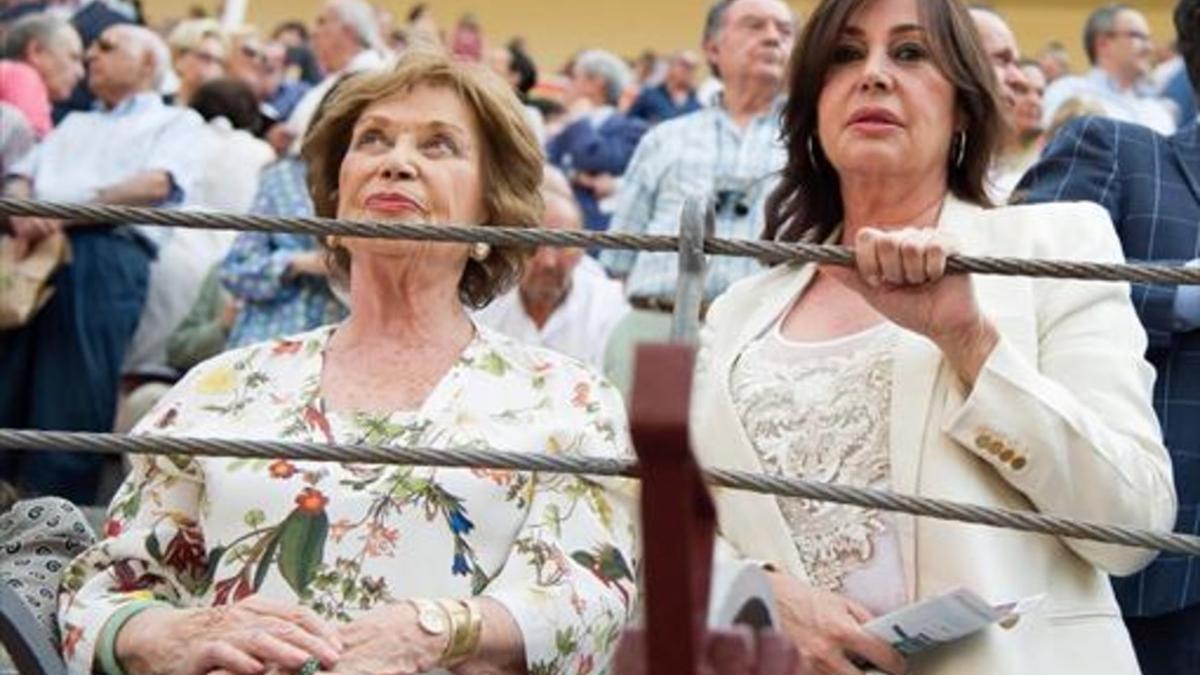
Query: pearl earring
point(480, 250)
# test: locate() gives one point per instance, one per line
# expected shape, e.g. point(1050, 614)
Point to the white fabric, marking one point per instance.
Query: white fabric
point(1059, 420)
point(93, 150)
point(185, 256)
point(303, 113)
point(821, 411)
point(230, 164)
point(1125, 105)
point(579, 327)
point(229, 161)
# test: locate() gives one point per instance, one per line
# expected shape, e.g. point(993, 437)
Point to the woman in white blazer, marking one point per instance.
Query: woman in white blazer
point(1002, 391)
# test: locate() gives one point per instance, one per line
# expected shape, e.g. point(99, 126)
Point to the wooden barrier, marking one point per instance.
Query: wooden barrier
point(678, 530)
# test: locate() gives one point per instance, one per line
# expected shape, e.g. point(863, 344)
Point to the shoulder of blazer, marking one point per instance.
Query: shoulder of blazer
point(1046, 230)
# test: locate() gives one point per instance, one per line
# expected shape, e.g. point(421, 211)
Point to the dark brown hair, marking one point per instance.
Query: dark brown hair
point(807, 203)
point(511, 158)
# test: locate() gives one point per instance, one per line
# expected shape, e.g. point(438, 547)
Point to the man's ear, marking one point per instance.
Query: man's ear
point(34, 49)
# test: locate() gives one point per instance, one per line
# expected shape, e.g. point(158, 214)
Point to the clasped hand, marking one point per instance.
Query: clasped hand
point(902, 275)
point(257, 635)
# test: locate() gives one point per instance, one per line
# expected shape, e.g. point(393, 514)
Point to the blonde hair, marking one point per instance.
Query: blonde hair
point(189, 35)
point(511, 160)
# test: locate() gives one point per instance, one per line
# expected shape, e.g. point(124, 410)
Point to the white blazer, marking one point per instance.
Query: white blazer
point(1059, 421)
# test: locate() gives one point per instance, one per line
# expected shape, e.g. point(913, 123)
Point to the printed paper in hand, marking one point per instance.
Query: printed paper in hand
point(943, 619)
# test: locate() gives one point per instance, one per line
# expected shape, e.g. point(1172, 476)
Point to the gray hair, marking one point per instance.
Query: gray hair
point(608, 67)
point(1098, 23)
point(360, 17)
point(156, 47)
point(43, 27)
point(714, 23)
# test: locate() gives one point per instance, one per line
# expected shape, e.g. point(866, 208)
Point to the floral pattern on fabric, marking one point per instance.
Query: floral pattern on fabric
point(557, 551)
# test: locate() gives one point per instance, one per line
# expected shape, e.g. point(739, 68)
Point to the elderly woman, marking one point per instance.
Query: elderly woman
point(1006, 392)
point(199, 49)
point(236, 565)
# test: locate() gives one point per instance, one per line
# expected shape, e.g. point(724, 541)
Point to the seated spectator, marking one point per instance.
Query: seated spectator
point(228, 160)
point(596, 146)
point(234, 157)
point(345, 41)
point(675, 96)
point(280, 279)
point(38, 539)
point(1118, 45)
point(91, 19)
point(16, 136)
point(279, 93)
point(511, 562)
point(204, 332)
point(41, 61)
point(1055, 61)
point(61, 371)
point(511, 63)
point(564, 300)
point(199, 50)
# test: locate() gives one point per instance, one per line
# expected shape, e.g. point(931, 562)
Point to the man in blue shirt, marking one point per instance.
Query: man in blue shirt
point(674, 97)
point(1150, 185)
point(62, 370)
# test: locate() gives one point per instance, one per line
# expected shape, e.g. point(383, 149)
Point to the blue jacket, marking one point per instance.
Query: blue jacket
point(585, 148)
point(655, 105)
point(1150, 185)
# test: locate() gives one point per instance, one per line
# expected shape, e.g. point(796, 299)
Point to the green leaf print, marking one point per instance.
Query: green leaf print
point(301, 545)
point(264, 564)
point(494, 364)
point(254, 518)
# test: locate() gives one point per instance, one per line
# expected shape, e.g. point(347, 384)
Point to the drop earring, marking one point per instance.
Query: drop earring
point(480, 250)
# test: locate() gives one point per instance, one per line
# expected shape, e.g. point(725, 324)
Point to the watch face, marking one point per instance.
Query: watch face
point(431, 621)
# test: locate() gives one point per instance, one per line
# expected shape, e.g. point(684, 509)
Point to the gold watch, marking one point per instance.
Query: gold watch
point(432, 618)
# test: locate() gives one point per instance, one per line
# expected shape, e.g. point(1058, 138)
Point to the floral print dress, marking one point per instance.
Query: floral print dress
point(557, 551)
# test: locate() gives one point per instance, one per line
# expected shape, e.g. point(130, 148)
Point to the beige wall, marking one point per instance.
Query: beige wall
point(557, 28)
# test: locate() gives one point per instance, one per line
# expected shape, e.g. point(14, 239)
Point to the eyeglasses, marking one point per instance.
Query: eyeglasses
point(1135, 35)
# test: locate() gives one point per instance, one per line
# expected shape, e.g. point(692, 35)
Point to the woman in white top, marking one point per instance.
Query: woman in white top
point(1007, 392)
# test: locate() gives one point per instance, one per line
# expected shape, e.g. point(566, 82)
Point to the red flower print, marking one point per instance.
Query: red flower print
point(239, 586)
point(339, 529)
point(112, 527)
point(281, 468)
point(287, 347)
point(186, 552)
point(127, 580)
point(311, 501)
point(315, 419)
point(580, 399)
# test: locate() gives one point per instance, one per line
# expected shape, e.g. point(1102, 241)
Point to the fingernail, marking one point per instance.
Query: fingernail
point(873, 281)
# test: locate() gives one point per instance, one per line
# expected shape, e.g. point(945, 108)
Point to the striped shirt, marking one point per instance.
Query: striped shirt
point(702, 153)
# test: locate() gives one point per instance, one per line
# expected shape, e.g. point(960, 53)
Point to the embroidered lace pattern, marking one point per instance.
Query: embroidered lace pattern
point(821, 411)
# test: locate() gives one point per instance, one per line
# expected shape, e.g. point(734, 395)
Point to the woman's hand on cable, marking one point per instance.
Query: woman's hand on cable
point(827, 631)
point(902, 274)
point(252, 636)
point(388, 641)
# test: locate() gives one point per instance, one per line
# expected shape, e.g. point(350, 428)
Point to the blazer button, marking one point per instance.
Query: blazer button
point(1007, 455)
point(1018, 463)
point(996, 447)
point(983, 440)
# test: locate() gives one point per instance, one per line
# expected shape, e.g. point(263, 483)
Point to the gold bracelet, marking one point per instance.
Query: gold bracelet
point(466, 630)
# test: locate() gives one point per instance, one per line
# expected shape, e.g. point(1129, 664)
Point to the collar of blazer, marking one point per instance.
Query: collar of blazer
point(756, 524)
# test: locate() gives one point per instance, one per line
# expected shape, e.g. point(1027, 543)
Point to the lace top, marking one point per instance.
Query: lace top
point(821, 411)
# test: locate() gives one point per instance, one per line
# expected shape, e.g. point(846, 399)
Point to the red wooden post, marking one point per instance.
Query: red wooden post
point(678, 517)
point(678, 528)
